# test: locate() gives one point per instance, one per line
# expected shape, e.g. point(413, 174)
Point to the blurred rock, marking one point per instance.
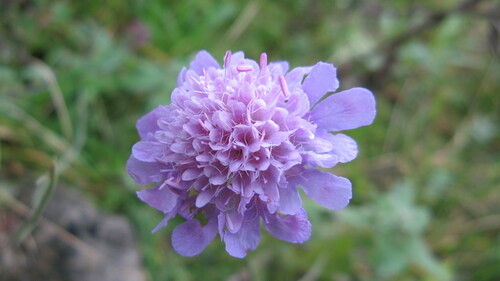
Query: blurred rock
point(74, 242)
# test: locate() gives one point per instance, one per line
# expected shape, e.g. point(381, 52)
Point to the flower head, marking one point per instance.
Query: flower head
point(235, 143)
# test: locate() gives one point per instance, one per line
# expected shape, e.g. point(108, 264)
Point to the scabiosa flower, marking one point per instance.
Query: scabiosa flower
point(235, 143)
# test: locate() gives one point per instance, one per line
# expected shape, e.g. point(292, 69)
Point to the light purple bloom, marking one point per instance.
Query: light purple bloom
point(237, 141)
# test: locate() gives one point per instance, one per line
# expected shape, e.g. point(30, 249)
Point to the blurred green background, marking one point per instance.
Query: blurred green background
point(76, 75)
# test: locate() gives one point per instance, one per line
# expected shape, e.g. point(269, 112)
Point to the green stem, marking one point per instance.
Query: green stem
point(31, 223)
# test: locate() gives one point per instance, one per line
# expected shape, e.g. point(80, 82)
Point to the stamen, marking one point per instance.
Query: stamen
point(244, 68)
point(283, 86)
point(263, 61)
point(227, 59)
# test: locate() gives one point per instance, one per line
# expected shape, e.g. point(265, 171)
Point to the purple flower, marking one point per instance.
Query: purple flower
point(237, 141)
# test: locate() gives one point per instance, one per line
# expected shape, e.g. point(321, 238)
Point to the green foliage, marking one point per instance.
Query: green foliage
point(76, 75)
point(395, 227)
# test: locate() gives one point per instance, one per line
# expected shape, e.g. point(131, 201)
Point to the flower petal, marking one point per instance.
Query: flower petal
point(143, 173)
point(290, 202)
point(278, 68)
point(191, 238)
point(346, 110)
point(191, 174)
point(328, 190)
point(203, 60)
point(297, 104)
point(147, 151)
point(237, 58)
point(291, 228)
point(320, 144)
point(247, 238)
point(234, 220)
point(204, 197)
point(295, 77)
point(148, 124)
point(344, 147)
point(321, 80)
point(324, 160)
point(162, 199)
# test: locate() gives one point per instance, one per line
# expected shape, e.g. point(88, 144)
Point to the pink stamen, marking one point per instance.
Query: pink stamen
point(283, 86)
point(244, 68)
point(227, 59)
point(263, 61)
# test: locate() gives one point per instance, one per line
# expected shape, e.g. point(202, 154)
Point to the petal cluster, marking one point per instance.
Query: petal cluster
point(236, 141)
